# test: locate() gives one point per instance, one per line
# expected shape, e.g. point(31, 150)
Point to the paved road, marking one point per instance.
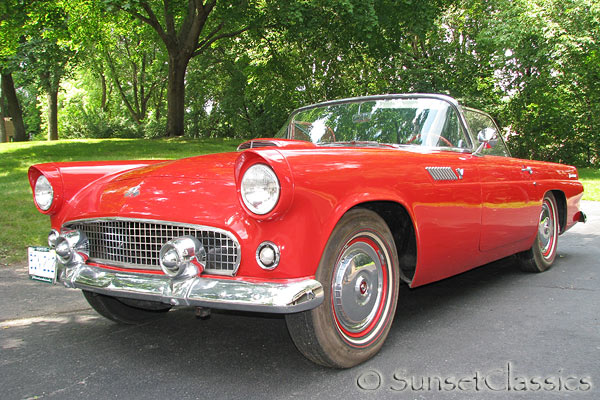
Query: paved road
point(491, 333)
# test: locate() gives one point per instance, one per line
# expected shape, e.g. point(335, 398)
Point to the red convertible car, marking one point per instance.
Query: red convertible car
point(322, 223)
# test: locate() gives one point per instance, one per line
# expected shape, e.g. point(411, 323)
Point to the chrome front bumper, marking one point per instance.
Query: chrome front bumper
point(265, 296)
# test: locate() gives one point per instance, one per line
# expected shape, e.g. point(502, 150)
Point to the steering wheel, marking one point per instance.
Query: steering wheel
point(449, 143)
point(412, 139)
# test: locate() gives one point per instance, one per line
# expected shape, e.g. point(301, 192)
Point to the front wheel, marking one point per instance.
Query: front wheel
point(543, 252)
point(125, 311)
point(359, 273)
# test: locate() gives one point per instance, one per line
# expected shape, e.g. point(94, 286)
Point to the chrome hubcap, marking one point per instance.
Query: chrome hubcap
point(357, 287)
point(546, 229)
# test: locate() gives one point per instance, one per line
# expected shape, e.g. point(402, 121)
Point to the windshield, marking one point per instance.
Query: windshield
point(427, 122)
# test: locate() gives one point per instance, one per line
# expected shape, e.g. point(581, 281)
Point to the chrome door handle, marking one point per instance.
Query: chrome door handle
point(527, 169)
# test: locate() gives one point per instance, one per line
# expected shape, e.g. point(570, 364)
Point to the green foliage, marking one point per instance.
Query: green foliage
point(533, 64)
point(551, 84)
point(96, 124)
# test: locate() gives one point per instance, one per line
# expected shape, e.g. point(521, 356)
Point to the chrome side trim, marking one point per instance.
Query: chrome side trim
point(443, 173)
point(230, 294)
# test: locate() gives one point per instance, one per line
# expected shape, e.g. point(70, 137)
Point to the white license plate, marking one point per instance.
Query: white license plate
point(42, 264)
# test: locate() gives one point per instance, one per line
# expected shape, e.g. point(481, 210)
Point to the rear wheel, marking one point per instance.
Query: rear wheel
point(359, 273)
point(543, 252)
point(125, 311)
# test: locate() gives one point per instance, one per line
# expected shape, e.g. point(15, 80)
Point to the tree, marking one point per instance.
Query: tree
point(3, 136)
point(136, 67)
point(187, 31)
point(47, 53)
point(36, 41)
point(12, 16)
point(547, 66)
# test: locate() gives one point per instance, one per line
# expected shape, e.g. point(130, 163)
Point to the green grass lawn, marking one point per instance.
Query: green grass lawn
point(22, 225)
point(590, 177)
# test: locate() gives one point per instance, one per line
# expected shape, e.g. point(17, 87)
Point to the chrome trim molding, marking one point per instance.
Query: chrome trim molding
point(229, 294)
point(115, 251)
point(460, 172)
point(443, 173)
point(133, 191)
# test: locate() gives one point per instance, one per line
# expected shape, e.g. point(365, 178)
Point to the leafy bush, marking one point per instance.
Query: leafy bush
point(79, 122)
point(154, 129)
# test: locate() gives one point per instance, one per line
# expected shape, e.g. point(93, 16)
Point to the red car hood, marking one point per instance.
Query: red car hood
point(213, 166)
point(198, 189)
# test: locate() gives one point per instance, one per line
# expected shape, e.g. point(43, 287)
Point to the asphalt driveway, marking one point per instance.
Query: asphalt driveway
point(493, 332)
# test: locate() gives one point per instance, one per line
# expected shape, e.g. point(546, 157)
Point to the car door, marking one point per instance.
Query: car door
point(508, 193)
point(448, 207)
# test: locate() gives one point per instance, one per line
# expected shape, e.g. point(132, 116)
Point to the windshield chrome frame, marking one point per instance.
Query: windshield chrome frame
point(451, 101)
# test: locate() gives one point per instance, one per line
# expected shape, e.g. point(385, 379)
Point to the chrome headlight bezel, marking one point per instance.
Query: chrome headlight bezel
point(43, 193)
point(260, 189)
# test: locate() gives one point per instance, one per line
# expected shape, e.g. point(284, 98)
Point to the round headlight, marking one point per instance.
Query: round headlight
point(44, 195)
point(260, 189)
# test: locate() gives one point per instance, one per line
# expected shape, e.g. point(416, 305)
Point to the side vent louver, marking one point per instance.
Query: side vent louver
point(442, 173)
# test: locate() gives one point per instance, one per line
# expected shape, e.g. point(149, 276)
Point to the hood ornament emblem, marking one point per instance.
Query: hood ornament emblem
point(133, 191)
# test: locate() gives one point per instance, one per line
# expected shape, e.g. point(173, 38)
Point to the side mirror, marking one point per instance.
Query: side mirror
point(488, 138)
point(488, 135)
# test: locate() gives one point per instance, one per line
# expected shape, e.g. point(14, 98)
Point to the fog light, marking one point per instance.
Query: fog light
point(69, 244)
point(52, 238)
point(267, 255)
point(183, 256)
point(63, 250)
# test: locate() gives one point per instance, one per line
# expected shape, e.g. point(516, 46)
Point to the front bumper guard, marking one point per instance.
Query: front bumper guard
point(259, 296)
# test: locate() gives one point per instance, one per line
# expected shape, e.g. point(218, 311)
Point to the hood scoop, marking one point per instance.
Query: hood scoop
point(255, 144)
point(276, 142)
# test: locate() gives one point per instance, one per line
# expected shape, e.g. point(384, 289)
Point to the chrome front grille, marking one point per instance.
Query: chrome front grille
point(135, 244)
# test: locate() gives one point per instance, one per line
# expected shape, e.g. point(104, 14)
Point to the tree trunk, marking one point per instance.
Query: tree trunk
point(176, 95)
point(103, 103)
point(53, 114)
point(13, 107)
point(2, 125)
point(3, 137)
